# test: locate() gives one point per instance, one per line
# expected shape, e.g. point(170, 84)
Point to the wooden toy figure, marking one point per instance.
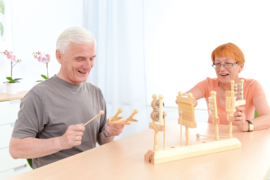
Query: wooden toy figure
point(231, 102)
point(122, 121)
point(157, 116)
point(186, 114)
point(213, 112)
point(187, 119)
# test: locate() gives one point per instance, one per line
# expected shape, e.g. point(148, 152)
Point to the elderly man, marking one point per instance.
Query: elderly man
point(50, 122)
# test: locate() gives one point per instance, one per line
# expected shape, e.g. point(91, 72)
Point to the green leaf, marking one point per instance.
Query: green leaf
point(39, 81)
point(10, 80)
point(1, 29)
point(45, 77)
point(16, 80)
point(2, 7)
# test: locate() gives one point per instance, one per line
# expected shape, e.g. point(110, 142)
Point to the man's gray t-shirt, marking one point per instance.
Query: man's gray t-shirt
point(51, 106)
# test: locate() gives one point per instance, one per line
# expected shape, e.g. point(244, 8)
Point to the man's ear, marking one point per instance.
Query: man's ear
point(58, 56)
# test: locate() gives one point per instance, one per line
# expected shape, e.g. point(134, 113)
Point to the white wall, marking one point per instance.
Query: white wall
point(36, 27)
point(181, 35)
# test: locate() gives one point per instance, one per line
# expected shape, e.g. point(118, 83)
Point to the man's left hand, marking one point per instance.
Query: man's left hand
point(114, 130)
point(240, 119)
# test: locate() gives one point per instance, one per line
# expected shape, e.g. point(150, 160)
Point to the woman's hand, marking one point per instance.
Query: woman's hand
point(240, 119)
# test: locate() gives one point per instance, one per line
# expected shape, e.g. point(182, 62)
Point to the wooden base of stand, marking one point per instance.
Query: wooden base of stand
point(176, 153)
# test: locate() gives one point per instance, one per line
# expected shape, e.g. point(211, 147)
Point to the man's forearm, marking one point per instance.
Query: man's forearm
point(33, 148)
point(103, 140)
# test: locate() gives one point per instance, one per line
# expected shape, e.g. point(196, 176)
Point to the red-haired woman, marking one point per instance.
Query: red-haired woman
point(228, 61)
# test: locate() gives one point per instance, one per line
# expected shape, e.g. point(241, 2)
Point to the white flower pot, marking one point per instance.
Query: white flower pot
point(2, 88)
point(11, 88)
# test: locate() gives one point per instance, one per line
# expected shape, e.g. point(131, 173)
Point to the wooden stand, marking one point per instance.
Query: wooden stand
point(172, 154)
point(187, 118)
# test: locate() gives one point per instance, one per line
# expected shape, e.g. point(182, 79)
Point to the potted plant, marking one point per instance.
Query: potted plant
point(43, 59)
point(11, 84)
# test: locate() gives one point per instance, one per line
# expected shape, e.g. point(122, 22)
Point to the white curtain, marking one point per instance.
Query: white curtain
point(119, 70)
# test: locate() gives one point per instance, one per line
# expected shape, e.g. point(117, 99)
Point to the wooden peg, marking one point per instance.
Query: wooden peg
point(130, 118)
point(242, 89)
point(161, 97)
point(100, 113)
point(180, 117)
point(232, 86)
point(187, 136)
point(118, 112)
point(134, 112)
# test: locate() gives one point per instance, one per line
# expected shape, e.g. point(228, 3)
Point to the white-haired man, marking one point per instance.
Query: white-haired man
point(50, 122)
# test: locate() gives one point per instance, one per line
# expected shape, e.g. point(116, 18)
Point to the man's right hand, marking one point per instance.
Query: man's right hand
point(72, 136)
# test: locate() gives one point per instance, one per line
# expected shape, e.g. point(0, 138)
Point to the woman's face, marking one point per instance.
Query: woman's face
point(225, 75)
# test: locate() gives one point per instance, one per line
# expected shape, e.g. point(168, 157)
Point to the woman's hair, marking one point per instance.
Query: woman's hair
point(76, 35)
point(229, 50)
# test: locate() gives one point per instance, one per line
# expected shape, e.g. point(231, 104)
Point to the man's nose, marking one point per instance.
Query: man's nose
point(88, 65)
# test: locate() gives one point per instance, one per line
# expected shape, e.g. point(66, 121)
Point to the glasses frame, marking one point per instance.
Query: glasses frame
point(213, 65)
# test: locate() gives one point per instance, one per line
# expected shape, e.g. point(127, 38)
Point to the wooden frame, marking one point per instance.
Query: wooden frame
point(187, 119)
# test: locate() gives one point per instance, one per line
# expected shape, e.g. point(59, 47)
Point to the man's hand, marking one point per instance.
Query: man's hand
point(72, 136)
point(240, 119)
point(114, 130)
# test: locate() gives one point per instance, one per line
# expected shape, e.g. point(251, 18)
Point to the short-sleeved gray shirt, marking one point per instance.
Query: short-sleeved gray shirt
point(51, 106)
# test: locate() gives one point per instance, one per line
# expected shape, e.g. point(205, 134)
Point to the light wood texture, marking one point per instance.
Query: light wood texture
point(211, 136)
point(115, 116)
point(186, 114)
point(124, 159)
point(240, 103)
point(242, 90)
point(161, 97)
point(214, 113)
point(122, 121)
point(130, 118)
point(231, 103)
point(186, 108)
point(100, 113)
point(180, 117)
point(8, 97)
point(177, 153)
point(118, 121)
point(159, 116)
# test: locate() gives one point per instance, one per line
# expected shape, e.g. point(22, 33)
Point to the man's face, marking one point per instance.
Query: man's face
point(76, 62)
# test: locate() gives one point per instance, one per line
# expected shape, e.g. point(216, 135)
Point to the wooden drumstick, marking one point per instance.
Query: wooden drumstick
point(100, 113)
point(118, 112)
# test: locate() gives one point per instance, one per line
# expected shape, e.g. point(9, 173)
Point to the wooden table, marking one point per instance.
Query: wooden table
point(8, 97)
point(124, 159)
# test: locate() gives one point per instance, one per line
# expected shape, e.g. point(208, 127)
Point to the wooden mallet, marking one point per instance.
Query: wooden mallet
point(100, 113)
